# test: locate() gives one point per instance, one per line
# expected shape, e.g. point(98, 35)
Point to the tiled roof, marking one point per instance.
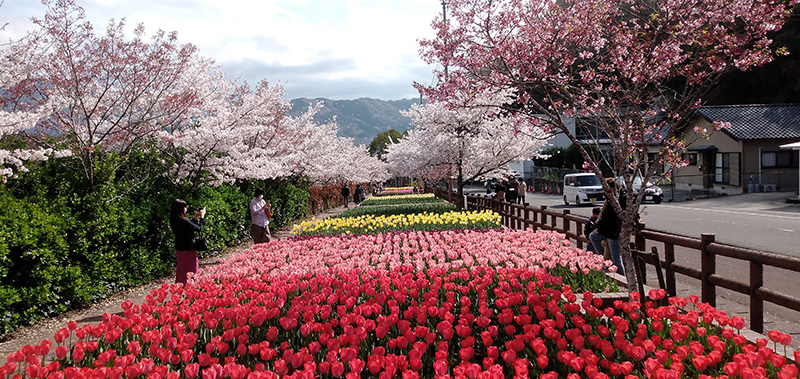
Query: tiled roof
point(757, 121)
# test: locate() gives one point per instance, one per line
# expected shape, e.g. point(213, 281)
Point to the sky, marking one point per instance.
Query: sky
point(336, 49)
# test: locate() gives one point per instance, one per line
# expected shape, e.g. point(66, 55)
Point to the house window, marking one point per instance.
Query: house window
point(722, 168)
point(778, 159)
point(588, 128)
point(691, 158)
point(653, 160)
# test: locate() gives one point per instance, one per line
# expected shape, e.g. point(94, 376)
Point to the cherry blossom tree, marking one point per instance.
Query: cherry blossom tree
point(467, 137)
point(17, 59)
point(239, 133)
point(97, 94)
point(635, 69)
point(235, 131)
point(326, 157)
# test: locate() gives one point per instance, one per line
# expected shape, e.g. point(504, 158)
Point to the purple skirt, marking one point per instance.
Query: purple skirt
point(187, 262)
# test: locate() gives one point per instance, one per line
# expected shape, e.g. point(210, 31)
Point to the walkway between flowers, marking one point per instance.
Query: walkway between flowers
point(34, 334)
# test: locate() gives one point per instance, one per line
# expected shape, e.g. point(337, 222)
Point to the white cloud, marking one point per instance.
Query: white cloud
point(332, 48)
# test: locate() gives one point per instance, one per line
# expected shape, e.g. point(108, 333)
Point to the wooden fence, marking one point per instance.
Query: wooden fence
point(524, 216)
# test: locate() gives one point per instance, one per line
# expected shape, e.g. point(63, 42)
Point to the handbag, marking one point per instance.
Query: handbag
point(200, 243)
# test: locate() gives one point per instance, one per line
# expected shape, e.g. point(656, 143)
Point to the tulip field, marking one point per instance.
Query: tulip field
point(402, 199)
point(388, 210)
point(390, 191)
point(456, 302)
point(369, 224)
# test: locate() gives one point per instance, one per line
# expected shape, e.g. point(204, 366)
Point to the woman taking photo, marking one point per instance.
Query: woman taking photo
point(184, 230)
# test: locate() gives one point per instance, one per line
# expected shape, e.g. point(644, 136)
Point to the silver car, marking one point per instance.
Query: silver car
point(652, 192)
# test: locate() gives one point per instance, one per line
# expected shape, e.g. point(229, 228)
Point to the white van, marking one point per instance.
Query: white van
point(582, 189)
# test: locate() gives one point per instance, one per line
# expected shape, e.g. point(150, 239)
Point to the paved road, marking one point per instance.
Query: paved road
point(761, 221)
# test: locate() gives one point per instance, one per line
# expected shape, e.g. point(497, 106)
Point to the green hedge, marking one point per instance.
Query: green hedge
point(65, 244)
point(387, 210)
point(411, 199)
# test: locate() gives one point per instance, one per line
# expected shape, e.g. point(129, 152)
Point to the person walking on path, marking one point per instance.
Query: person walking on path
point(346, 194)
point(184, 229)
point(608, 227)
point(363, 195)
point(260, 213)
point(522, 189)
point(357, 195)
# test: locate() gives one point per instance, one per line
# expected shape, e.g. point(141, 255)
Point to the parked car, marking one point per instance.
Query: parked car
point(583, 188)
point(652, 192)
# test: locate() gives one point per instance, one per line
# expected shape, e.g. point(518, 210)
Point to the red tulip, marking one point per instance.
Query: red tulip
point(61, 352)
point(542, 361)
point(699, 362)
point(440, 367)
point(191, 370)
point(281, 368)
point(788, 372)
point(324, 367)
point(337, 369)
point(472, 371)
point(486, 338)
point(466, 353)
point(375, 363)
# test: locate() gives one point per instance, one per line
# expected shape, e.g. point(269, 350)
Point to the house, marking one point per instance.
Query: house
point(745, 157)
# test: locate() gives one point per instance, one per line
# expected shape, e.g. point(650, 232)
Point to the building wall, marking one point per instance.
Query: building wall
point(691, 177)
point(748, 176)
point(768, 179)
point(561, 140)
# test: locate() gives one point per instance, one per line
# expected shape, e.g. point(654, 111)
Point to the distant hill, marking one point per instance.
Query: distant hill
point(361, 119)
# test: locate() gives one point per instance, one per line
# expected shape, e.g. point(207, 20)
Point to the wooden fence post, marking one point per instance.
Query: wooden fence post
point(527, 215)
point(566, 224)
point(756, 304)
point(708, 267)
point(542, 217)
point(669, 260)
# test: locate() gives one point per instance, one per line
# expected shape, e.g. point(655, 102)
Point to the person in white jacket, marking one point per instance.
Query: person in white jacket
point(259, 216)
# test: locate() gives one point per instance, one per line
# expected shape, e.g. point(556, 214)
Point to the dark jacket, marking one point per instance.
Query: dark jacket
point(184, 232)
point(609, 223)
point(511, 192)
point(588, 226)
point(500, 192)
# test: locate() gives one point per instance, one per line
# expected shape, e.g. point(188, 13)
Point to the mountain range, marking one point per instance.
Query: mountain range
point(361, 119)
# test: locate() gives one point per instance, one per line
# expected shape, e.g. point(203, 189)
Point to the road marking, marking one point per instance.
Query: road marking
point(733, 212)
point(786, 230)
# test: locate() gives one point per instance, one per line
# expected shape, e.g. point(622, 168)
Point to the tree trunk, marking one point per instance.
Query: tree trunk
point(625, 251)
point(460, 194)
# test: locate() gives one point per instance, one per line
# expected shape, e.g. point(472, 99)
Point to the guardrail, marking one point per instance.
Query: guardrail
point(524, 216)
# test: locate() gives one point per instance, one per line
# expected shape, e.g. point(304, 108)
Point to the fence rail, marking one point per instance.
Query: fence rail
point(524, 216)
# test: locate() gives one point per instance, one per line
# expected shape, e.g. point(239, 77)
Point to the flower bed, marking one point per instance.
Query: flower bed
point(399, 191)
point(476, 322)
point(402, 199)
point(369, 224)
point(448, 250)
point(386, 210)
point(445, 304)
